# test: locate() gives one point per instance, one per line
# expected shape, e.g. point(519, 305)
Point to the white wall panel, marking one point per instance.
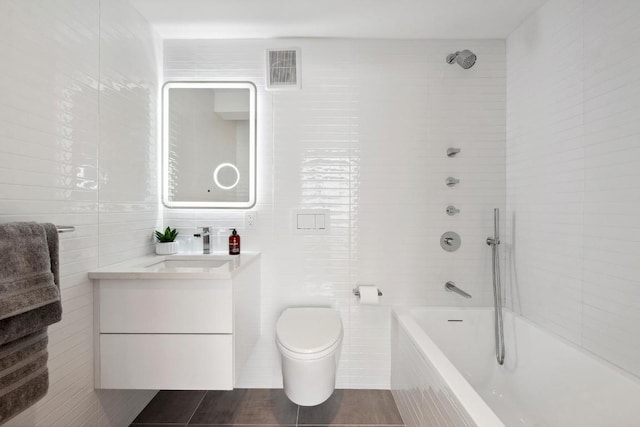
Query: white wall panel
point(611, 290)
point(545, 167)
point(77, 139)
point(572, 174)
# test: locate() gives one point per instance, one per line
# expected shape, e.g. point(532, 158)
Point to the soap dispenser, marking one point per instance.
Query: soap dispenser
point(234, 243)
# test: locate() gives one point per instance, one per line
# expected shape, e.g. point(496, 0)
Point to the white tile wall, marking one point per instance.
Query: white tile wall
point(545, 167)
point(130, 62)
point(573, 156)
point(77, 140)
point(366, 137)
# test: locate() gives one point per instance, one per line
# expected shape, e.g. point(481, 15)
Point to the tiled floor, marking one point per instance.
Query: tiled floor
point(268, 407)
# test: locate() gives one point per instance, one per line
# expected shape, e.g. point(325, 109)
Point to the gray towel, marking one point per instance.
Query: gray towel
point(52, 241)
point(29, 279)
point(26, 279)
point(24, 378)
point(29, 302)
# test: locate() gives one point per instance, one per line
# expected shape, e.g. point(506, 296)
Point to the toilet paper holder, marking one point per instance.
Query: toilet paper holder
point(356, 292)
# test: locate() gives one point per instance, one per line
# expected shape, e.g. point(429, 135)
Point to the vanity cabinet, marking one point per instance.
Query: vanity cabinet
point(164, 331)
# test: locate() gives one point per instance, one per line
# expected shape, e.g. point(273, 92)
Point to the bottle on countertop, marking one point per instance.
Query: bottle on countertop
point(234, 243)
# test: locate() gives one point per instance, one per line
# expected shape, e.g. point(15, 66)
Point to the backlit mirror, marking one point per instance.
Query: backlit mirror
point(209, 144)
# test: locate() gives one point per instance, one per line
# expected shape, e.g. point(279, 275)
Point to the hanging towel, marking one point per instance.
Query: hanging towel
point(29, 279)
point(24, 378)
point(26, 279)
point(29, 302)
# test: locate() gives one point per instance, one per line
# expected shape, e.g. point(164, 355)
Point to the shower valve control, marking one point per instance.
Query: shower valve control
point(451, 152)
point(450, 241)
point(451, 181)
point(452, 210)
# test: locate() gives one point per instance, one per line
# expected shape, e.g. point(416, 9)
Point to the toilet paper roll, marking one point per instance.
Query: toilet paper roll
point(368, 294)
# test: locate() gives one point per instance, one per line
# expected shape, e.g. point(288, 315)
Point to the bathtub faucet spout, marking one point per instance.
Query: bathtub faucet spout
point(451, 287)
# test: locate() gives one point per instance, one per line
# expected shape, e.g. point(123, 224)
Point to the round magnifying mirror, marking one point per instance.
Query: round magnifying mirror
point(226, 176)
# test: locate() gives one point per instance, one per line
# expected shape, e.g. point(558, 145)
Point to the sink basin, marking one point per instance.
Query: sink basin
point(194, 266)
point(199, 264)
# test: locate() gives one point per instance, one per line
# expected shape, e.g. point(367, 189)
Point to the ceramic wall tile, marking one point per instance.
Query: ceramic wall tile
point(366, 138)
point(572, 162)
point(77, 136)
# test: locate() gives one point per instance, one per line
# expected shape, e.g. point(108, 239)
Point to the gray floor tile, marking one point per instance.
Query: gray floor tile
point(170, 406)
point(157, 425)
point(354, 408)
point(263, 407)
point(268, 408)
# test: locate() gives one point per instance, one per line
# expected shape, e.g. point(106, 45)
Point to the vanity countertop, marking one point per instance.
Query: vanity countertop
point(217, 266)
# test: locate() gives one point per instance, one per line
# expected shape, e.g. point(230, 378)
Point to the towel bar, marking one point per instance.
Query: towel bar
point(65, 228)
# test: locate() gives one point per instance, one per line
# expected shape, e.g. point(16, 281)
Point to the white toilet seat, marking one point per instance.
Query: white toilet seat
point(309, 333)
point(308, 356)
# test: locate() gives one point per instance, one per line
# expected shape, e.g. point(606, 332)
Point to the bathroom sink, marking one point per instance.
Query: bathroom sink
point(199, 264)
point(220, 266)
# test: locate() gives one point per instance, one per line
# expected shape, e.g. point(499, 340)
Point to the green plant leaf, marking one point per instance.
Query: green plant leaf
point(168, 235)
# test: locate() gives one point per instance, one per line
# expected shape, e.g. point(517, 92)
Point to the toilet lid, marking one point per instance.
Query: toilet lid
point(308, 330)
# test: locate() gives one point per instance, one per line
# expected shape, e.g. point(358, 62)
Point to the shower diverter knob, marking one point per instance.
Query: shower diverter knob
point(450, 241)
point(451, 181)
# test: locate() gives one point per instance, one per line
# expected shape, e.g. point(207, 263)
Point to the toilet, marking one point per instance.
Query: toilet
point(309, 341)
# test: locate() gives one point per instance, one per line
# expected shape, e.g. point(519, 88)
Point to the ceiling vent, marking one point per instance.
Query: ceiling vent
point(283, 69)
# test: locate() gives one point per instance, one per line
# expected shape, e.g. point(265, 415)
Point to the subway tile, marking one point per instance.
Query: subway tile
point(50, 141)
point(572, 137)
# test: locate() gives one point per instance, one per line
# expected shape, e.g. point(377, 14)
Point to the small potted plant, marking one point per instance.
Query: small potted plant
point(166, 241)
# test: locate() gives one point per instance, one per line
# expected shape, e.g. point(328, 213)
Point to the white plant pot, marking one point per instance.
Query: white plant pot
point(167, 248)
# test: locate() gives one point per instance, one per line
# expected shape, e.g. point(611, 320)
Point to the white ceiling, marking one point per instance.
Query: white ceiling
point(406, 19)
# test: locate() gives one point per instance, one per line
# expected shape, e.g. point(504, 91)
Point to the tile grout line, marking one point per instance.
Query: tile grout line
point(297, 415)
point(197, 406)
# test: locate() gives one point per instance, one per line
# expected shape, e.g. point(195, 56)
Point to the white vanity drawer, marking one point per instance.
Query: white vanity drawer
point(165, 306)
point(169, 362)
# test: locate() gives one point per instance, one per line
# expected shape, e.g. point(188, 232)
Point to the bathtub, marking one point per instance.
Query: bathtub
point(444, 373)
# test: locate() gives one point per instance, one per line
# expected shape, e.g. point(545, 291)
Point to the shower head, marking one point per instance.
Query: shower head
point(464, 58)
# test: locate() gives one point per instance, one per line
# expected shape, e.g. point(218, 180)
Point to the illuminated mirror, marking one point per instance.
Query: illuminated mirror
point(209, 144)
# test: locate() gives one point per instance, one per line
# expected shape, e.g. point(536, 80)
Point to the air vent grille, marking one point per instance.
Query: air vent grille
point(283, 68)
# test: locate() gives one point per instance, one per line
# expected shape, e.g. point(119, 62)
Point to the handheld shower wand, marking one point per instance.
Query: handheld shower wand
point(494, 242)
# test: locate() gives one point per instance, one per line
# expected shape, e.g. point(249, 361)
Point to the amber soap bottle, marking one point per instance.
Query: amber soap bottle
point(234, 243)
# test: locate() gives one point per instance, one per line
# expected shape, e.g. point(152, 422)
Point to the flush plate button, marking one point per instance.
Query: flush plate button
point(311, 221)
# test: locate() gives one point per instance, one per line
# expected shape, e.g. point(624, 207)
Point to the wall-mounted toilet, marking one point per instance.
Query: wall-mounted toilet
point(309, 341)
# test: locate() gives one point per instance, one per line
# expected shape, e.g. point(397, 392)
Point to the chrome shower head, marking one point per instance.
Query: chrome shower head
point(464, 58)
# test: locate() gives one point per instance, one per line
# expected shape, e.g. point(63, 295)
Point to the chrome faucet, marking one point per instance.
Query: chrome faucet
point(451, 287)
point(206, 248)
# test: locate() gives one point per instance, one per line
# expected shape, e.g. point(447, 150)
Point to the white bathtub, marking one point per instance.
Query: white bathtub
point(444, 373)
